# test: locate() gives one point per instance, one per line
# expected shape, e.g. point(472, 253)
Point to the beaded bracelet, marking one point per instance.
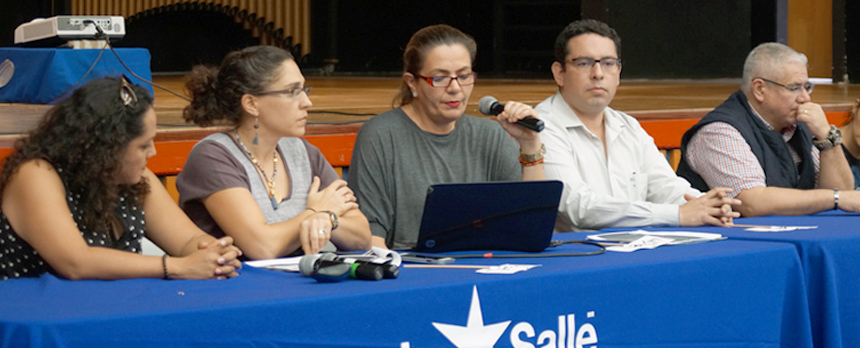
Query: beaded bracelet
point(529, 164)
point(164, 266)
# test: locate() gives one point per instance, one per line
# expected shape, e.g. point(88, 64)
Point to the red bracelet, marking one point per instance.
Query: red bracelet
point(529, 164)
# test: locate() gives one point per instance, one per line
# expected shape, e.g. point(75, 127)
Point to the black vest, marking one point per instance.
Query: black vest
point(768, 146)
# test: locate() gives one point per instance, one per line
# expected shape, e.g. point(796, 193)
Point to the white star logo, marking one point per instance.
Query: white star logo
point(475, 334)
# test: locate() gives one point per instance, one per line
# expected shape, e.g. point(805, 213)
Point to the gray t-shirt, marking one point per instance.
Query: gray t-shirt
point(394, 163)
point(217, 163)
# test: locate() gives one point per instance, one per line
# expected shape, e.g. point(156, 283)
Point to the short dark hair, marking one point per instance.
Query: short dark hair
point(585, 26)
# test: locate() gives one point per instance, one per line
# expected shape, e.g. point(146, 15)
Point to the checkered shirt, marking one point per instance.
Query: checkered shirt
point(723, 158)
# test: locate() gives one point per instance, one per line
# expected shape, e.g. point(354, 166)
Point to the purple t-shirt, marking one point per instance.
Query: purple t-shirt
point(213, 166)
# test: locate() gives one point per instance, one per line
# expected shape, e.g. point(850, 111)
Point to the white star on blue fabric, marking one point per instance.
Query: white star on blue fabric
point(475, 334)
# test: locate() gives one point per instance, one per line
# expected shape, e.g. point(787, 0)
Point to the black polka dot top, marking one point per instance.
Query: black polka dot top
point(18, 259)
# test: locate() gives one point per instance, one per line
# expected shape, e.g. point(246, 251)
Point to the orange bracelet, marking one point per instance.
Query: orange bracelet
point(529, 164)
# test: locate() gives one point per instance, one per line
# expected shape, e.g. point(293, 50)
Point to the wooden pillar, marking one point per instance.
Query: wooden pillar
point(810, 31)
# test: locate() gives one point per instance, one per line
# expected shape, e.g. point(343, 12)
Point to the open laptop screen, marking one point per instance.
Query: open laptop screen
point(517, 216)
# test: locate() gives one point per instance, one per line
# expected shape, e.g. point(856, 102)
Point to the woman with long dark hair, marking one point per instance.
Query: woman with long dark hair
point(77, 197)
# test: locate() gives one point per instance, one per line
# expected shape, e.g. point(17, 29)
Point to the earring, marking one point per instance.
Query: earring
point(414, 94)
point(256, 127)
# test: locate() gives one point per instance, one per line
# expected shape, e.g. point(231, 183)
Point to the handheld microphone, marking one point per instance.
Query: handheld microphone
point(326, 268)
point(387, 259)
point(491, 107)
point(389, 270)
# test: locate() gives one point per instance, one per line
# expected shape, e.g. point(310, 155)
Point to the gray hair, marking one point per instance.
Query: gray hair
point(767, 60)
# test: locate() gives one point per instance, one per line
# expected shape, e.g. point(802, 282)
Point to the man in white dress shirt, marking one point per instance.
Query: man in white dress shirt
point(613, 174)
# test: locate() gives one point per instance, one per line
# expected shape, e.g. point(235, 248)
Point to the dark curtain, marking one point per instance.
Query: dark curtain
point(15, 12)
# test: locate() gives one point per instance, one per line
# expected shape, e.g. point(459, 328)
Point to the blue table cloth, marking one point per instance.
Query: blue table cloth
point(720, 294)
point(831, 262)
point(830, 255)
point(43, 74)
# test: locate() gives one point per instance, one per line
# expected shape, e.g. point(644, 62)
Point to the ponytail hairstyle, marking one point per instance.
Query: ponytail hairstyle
point(420, 45)
point(216, 92)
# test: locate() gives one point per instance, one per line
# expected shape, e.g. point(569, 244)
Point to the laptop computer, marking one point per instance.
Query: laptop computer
point(516, 216)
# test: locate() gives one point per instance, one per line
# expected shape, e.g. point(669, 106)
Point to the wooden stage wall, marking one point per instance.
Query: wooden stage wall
point(665, 109)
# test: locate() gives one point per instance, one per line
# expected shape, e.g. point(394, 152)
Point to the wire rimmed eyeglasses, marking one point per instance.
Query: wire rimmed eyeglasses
point(445, 81)
point(795, 88)
point(608, 64)
point(294, 92)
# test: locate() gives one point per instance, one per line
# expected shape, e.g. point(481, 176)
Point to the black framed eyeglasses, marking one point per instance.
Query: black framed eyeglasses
point(445, 81)
point(607, 64)
point(295, 92)
point(126, 93)
point(795, 88)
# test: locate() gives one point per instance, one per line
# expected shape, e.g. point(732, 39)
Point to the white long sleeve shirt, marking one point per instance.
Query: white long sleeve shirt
point(629, 185)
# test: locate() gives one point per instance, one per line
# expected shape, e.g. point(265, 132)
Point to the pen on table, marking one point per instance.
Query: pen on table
point(752, 226)
point(409, 265)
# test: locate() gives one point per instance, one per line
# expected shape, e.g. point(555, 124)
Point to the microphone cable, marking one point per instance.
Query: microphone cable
point(99, 35)
point(189, 99)
point(145, 80)
point(309, 123)
point(555, 243)
point(341, 113)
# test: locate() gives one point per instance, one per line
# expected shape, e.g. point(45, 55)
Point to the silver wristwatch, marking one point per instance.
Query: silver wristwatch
point(833, 139)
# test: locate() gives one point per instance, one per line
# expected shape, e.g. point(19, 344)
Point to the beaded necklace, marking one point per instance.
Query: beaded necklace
point(274, 197)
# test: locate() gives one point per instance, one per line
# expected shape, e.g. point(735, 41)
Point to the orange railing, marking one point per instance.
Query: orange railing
point(336, 142)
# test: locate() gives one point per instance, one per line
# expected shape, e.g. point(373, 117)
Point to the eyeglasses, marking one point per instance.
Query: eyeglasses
point(795, 88)
point(445, 81)
point(607, 64)
point(126, 94)
point(295, 92)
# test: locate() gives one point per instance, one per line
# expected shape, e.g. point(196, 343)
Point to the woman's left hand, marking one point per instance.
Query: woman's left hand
point(227, 262)
point(315, 232)
point(515, 111)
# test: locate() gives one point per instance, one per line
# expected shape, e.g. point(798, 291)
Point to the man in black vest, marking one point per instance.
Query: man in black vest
point(770, 143)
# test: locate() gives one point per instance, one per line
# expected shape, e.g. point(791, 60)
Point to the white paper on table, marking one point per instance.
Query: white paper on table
point(506, 269)
point(676, 237)
point(290, 264)
point(779, 228)
point(646, 242)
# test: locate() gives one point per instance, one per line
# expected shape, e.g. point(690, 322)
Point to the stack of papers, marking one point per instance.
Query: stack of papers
point(641, 239)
